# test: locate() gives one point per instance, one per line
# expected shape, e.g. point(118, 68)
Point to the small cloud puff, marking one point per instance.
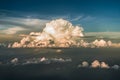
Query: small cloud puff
point(14, 61)
point(84, 64)
point(115, 67)
point(104, 65)
point(95, 64)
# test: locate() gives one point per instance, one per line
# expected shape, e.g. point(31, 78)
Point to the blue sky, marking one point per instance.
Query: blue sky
point(92, 15)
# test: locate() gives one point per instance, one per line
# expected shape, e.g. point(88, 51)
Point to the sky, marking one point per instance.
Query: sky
point(24, 16)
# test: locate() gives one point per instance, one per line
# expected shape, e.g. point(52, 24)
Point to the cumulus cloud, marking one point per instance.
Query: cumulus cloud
point(42, 60)
point(61, 28)
point(97, 64)
point(84, 64)
point(104, 65)
point(45, 60)
point(14, 61)
point(57, 33)
point(101, 43)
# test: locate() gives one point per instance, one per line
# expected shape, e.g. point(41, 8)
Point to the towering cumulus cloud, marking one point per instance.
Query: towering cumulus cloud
point(57, 33)
point(61, 28)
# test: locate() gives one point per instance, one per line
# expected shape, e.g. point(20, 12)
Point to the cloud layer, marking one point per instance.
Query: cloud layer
point(44, 60)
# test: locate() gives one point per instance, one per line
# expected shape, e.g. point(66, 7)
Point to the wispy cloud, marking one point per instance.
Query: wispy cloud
point(87, 18)
point(112, 35)
point(77, 18)
point(12, 30)
point(81, 18)
point(28, 24)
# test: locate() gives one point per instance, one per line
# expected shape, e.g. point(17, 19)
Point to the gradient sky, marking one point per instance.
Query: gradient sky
point(92, 15)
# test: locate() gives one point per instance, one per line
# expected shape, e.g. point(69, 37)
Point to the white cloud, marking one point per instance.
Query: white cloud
point(100, 43)
point(57, 33)
point(88, 18)
point(30, 24)
point(104, 65)
point(98, 64)
point(84, 64)
point(66, 17)
point(95, 64)
point(14, 61)
point(34, 22)
point(12, 30)
point(59, 51)
point(77, 18)
point(42, 60)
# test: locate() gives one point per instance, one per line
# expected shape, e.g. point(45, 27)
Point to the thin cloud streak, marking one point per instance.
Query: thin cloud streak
point(28, 24)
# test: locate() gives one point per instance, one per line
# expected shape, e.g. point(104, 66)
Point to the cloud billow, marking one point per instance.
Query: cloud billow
point(97, 64)
point(60, 33)
point(57, 33)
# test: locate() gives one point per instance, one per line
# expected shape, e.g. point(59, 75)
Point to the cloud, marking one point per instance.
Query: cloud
point(59, 51)
point(77, 18)
point(42, 60)
point(30, 24)
point(87, 18)
point(14, 61)
point(104, 65)
point(57, 33)
point(23, 22)
point(97, 64)
point(12, 30)
point(115, 67)
point(84, 64)
point(110, 35)
point(66, 17)
point(100, 43)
